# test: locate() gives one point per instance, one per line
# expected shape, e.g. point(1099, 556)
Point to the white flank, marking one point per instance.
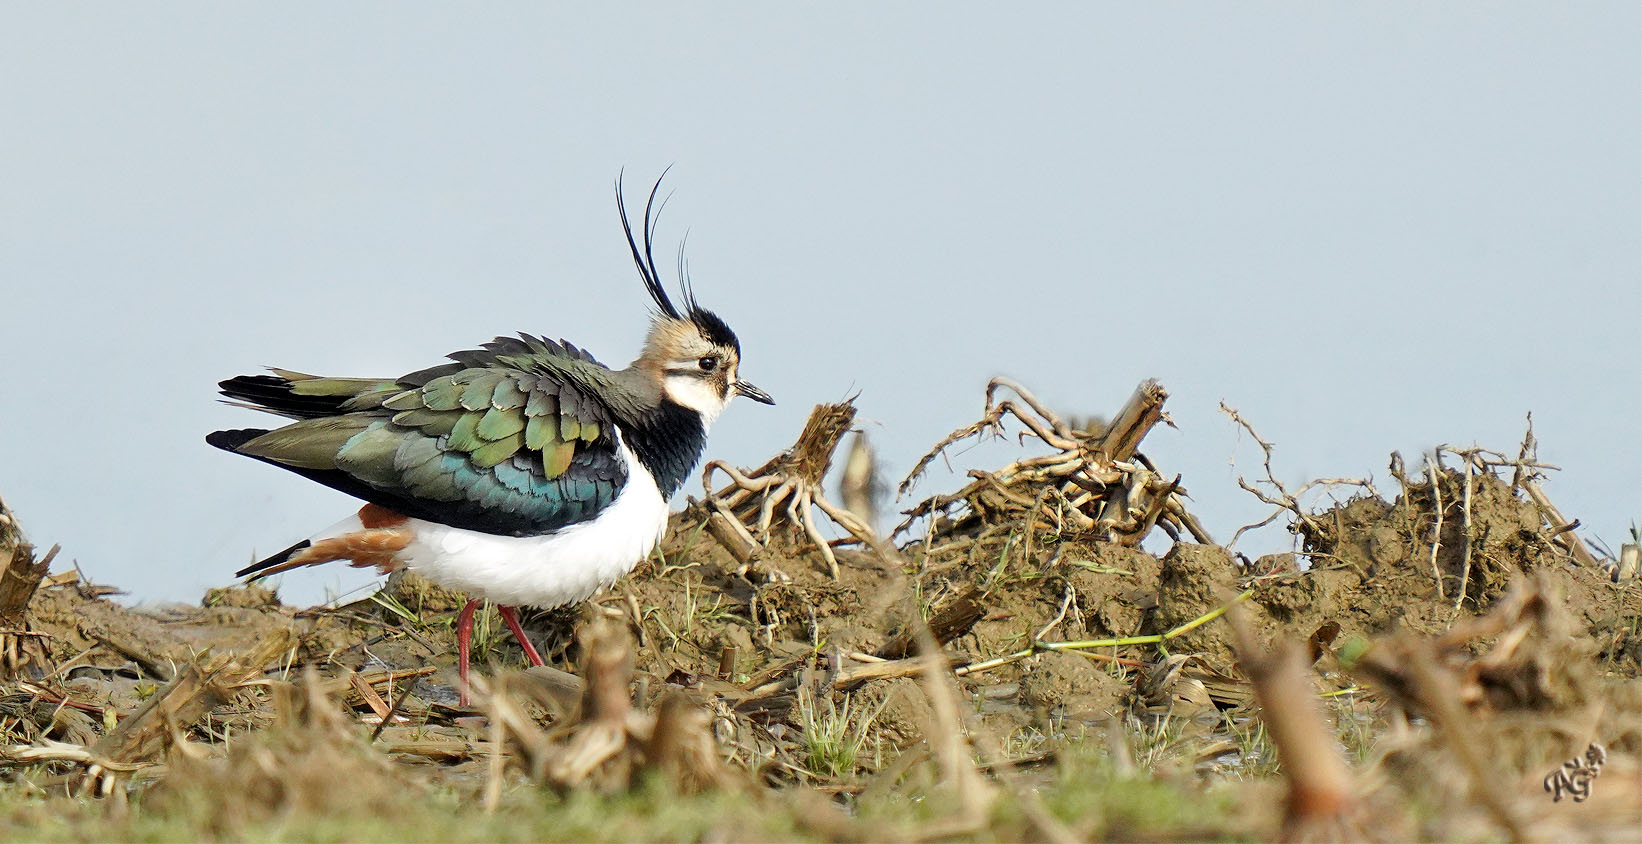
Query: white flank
point(546, 571)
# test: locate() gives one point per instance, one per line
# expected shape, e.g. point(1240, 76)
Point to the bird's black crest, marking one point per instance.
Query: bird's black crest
point(713, 329)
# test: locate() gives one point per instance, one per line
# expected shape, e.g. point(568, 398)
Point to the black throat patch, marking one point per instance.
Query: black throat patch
point(668, 441)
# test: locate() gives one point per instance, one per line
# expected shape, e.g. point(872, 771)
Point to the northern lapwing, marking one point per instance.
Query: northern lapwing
point(524, 472)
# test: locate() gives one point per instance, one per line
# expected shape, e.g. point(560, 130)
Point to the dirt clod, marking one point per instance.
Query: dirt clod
point(1075, 687)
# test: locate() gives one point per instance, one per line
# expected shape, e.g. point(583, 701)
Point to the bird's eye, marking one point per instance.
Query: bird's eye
point(708, 364)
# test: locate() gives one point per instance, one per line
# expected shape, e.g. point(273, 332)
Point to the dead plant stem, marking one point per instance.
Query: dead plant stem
point(1465, 533)
point(1436, 532)
point(1039, 646)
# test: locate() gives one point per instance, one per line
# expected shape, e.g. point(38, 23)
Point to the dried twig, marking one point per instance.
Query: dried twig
point(1094, 482)
point(1283, 501)
point(1465, 533)
point(1436, 532)
point(946, 739)
point(1552, 516)
point(793, 479)
point(147, 732)
point(141, 737)
point(46, 750)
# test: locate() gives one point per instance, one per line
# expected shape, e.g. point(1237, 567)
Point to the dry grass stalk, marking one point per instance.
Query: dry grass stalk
point(1526, 474)
point(1095, 482)
point(1560, 525)
point(860, 488)
point(369, 695)
point(609, 742)
point(1438, 509)
point(1630, 560)
point(310, 762)
point(744, 515)
point(149, 731)
point(853, 674)
point(141, 739)
point(723, 526)
point(1319, 784)
point(1137, 417)
point(372, 689)
point(46, 750)
point(950, 746)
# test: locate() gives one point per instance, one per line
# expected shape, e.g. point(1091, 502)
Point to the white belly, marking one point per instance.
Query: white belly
point(545, 571)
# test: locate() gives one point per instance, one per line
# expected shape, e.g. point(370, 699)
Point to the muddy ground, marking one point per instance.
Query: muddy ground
point(806, 697)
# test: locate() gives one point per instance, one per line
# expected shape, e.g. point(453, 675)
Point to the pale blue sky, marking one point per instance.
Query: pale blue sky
point(1367, 226)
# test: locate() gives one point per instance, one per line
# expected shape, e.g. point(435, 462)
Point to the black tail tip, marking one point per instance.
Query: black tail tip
point(251, 571)
point(231, 440)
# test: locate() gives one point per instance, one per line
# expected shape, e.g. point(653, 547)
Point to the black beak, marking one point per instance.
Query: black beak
point(748, 390)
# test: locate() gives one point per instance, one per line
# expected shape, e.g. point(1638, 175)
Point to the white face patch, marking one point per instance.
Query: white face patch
point(697, 394)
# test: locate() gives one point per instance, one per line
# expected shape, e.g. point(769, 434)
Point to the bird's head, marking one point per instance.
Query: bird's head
point(691, 352)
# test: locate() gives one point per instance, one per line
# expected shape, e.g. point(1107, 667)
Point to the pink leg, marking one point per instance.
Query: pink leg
point(464, 637)
point(511, 616)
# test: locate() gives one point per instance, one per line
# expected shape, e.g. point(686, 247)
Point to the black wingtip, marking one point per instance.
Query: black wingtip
point(251, 570)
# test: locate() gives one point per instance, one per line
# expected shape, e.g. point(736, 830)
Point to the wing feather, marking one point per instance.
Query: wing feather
point(513, 438)
point(476, 395)
point(509, 395)
point(540, 431)
point(497, 423)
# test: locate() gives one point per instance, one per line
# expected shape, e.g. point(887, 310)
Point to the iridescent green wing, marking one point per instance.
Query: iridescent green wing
point(515, 445)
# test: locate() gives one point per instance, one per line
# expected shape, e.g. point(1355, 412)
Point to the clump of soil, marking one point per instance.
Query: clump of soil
point(1113, 584)
point(1388, 549)
point(902, 707)
point(1194, 580)
point(1076, 686)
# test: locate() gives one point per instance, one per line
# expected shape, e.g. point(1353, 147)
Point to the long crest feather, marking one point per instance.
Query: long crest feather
point(684, 283)
point(644, 258)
